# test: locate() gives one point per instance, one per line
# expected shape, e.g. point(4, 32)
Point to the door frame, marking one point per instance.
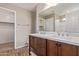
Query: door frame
point(14, 23)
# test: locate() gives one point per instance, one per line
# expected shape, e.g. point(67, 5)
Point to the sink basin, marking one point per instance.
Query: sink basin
point(55, 35)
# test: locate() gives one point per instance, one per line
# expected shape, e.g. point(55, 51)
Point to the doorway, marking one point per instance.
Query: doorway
point(7, 29)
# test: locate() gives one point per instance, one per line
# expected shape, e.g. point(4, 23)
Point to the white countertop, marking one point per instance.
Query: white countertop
point(69, 40)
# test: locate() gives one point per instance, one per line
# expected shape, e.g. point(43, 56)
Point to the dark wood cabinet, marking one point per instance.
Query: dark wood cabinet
point(78, 50)
point(60, 49)
point(41, 46)
point(32, 42)
point(37, 45)
point(51, 48)
point(68, 50)
point(45, 47)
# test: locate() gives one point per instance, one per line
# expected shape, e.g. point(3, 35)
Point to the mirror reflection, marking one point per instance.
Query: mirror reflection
point(64, 17)
point(47, 22)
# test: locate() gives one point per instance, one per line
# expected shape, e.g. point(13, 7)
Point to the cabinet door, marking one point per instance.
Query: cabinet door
point(33, 42)
point(38, 45)
point(78, 50)
point(68, 50)
point(51, 48)
point(41, 46)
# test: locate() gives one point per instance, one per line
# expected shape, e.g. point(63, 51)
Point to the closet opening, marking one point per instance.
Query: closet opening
point(7, 29)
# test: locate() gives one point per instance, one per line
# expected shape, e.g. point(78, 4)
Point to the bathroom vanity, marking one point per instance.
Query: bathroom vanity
point(63, 21)
point(43, 45)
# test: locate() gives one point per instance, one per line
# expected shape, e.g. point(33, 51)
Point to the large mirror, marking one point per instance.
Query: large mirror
point(64, 17)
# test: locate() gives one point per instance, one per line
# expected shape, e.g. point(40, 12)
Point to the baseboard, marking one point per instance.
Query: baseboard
point(20, 46)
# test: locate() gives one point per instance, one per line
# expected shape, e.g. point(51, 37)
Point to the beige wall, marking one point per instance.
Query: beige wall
point(33, 23)
point(23, 24)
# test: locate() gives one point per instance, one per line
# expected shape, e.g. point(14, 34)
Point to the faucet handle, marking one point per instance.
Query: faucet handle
point(58, 34)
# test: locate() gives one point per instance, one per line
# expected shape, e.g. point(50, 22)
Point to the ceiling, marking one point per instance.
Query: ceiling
point(27, 6)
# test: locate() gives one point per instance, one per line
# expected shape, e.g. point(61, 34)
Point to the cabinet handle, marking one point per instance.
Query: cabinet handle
point(56, 44)
point(59, 45)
